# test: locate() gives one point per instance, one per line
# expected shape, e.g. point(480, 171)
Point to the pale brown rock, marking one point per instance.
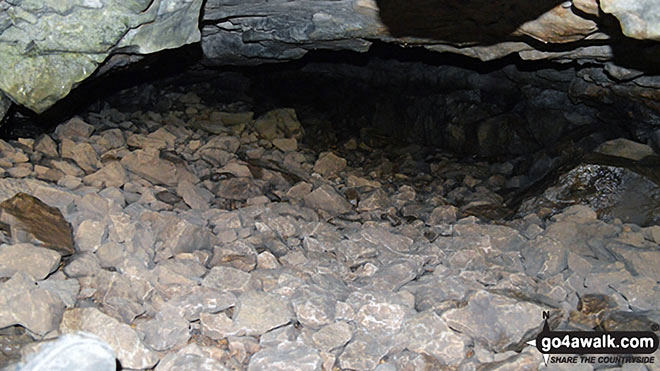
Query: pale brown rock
point(31, 220)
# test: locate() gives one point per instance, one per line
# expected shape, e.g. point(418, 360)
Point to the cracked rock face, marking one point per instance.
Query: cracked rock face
point(47, 48)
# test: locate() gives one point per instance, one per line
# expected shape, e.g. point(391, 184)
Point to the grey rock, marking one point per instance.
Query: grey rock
point(122, 308)
point(487, 317)
point(90, 235)
point(286, 144)
point(38, 262)
point(144, 142)
point(23, 303)
point(258, 312)
point(381, 319)
point(190, 358)
point(329, 164)
point(333, 336)
point(364, 352)
point(625, 148)
point(227, 278)
point(237, 254)
point(194, 196)
point(83, 154)
point(427, 333)
point(218, 326)
point(200, 300)
point(314, 307)
point(279, 123)
point(443, 215)
point(65, 289)
point(184, 235)
point(76, 127)
point(121, 337)
point(382, 237)
point(111, 174)
point(545, 258)
point(239, 188)
point(115, 26)
point(286, 356)
point(148, 164)
point(111, 254)
point(165, 331)
point(82, 265)
point(396, 274)
point(279, 335)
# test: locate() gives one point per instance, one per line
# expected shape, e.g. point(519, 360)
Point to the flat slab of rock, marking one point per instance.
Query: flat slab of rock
point(488, 318)
point(329, 164)
point(121, 337)
point(31, 220)
point(326, 198)
point(148, 164)
point(35, 261)
point(625, 148)
point(427, 333)
point(258, 312)
point(288, 356)
point(23, 303)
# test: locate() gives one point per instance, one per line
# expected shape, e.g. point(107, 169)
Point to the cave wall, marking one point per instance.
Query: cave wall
point(49, 47)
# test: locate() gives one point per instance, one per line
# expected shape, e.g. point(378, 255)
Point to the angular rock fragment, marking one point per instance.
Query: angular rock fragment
point(23, 303)
point(427, 333)
point(148, 164)
point(111, 174)
point(487, 317)
point(190, 358)
point(258, 312)
point(73, 128)
point(326, 198)
point(286, 356)
point(27, 258)
point(121, 337)
point(329, 164)
point(31, 220)
point(165, 331)
point(193, 196)
point(333, 336)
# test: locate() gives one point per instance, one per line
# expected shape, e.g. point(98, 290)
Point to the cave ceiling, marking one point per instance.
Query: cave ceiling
point(48, 47)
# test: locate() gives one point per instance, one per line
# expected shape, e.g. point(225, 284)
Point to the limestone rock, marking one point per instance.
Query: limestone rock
point(148, 164)
point(427, 333)
point(326, 198)
point(31, 220)
point(121, 337)
point(258, 312)
point(112, 174)
point(195, 197)
point(625, 148)
point(486, 318)
point(165, 331)
point(35, 261)
point(329, 164)
point(286, 356)
point(23, 303)
point(190, 358)
point(73, 128)
point(333, 336)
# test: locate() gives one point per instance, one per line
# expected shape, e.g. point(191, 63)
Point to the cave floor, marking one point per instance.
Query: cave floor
point(210, 237)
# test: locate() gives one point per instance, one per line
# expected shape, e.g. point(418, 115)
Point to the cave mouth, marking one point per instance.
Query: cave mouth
point(408, 107)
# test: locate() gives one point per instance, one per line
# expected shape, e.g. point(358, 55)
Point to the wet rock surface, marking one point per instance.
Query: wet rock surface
point(218, 247)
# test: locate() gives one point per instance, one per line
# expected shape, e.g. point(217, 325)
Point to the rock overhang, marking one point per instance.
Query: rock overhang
point(47, 48)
